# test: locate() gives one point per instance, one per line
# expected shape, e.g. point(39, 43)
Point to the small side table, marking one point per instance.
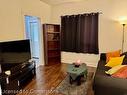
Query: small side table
point(76, 73)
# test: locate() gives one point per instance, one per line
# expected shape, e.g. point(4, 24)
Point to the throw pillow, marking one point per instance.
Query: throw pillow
point(114, 69)
point(114, 61)
point(112, 54)
point(122, 73)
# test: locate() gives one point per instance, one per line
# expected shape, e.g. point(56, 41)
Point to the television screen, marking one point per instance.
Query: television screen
point(15, 51)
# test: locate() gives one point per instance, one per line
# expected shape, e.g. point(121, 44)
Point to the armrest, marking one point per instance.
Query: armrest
point(103, 56)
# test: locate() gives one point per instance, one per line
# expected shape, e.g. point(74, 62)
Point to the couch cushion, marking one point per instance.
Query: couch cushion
point(121, 73)
point(114, 69)
point(112, 54)
point(114, 61)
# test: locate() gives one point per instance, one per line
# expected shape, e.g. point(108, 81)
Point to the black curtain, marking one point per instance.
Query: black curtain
point(79, 33)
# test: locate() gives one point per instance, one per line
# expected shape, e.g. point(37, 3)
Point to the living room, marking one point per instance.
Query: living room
point(110, 31)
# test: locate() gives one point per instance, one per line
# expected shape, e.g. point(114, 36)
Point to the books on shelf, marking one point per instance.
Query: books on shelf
point(52, 42)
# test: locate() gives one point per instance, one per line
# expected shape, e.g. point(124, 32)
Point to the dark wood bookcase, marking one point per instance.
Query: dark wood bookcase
point(51, 34)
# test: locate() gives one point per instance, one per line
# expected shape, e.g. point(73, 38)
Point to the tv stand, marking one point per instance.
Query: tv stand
point(20, 75)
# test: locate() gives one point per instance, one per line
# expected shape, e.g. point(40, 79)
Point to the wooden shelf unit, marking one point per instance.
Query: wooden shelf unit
point(51, 37)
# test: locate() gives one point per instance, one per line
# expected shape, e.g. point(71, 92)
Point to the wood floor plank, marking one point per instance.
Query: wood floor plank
point(47, 79)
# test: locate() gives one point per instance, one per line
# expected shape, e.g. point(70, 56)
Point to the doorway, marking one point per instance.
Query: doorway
point(32, 32)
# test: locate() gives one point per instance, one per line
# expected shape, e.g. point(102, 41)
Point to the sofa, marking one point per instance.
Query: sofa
point(104, 84)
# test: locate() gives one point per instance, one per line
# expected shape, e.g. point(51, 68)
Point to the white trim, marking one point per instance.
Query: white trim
point(88, 64)
point(41, 44)
point(91, 65)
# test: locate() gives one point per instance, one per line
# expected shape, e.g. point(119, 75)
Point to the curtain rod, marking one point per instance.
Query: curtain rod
point(85, 13)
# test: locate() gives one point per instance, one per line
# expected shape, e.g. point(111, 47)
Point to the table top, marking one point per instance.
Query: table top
point(76, 70)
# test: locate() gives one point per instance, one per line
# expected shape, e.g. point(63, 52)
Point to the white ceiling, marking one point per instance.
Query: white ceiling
point(56, 2)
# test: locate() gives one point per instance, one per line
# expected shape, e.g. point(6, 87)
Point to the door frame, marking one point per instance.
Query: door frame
point(41, 50)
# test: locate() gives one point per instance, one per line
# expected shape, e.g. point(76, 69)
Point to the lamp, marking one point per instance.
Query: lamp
point(123, 22)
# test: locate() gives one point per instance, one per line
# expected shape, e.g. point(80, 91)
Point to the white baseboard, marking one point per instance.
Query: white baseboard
point(88, 64)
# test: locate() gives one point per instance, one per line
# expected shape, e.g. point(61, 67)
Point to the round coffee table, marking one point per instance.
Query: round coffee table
point(76, 73)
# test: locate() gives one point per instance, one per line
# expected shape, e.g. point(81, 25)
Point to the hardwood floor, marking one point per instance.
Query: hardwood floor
point(47, 79)
point(90, 91)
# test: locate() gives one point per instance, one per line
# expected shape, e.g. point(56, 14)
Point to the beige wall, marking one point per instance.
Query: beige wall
point(10, 20)
point(12, 17)
point(110, 31)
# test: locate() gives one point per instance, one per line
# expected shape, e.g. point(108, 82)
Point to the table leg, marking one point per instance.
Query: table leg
point(79, 80)
point(70, 78)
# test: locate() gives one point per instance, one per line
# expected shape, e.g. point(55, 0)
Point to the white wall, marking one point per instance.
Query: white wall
point(12, 17)
point(110, 31)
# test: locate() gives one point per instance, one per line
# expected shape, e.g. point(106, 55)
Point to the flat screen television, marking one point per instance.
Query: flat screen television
point(15, 51)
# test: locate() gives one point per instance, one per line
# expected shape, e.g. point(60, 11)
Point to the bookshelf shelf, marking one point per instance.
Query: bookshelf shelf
point(51, 42)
